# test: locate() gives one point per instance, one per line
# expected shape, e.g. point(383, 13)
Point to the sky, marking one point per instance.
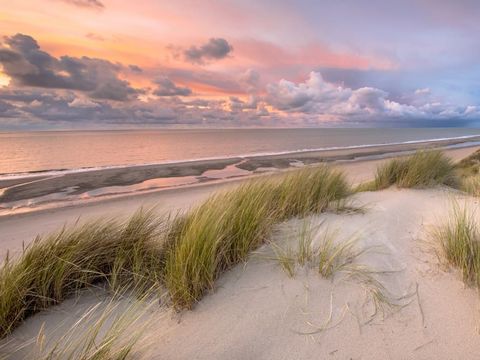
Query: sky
point(88, 64)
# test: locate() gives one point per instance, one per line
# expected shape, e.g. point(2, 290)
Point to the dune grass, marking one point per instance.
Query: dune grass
point(420, 170)
point(459, 238)
point(58, 265)
point(111, 329)
point(222, 231)
point(331, 258)
point(184, 253)
point(327, 257)
point(469, 173)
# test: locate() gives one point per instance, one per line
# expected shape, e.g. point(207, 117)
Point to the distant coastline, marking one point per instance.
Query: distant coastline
point(28, 193)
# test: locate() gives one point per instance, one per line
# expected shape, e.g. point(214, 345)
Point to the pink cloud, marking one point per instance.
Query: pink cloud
point(269, 55)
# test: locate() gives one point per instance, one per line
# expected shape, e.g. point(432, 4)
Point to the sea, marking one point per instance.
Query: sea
point(51, 152)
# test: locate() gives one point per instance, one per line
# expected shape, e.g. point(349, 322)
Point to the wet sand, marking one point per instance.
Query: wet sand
point(21, 228)
point(96, 183)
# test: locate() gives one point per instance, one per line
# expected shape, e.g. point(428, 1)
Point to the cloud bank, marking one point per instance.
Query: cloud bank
point(48, 91)
point(27, 65)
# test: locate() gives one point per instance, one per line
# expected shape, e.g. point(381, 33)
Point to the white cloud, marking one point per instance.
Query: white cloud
point(425, 91)
point(317, 97)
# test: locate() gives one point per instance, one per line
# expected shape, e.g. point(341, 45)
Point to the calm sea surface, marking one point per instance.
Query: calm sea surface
point(42, 151)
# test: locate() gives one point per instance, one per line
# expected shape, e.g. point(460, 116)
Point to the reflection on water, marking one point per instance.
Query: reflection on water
point(151, 184)
point(68, 196)
point(225, 173)
point(37, 151)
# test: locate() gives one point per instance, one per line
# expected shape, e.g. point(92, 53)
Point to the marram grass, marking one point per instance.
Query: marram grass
point(222, 231)
point(469, 173)
point(459, 238)
point(331, 257)
point(58, 265)
point(420, 170)
point(112, 329)
point(185, 253)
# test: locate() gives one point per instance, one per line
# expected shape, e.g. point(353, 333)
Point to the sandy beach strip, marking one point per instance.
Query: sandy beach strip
point(256, 311)
point(20, 229)
point(81, 182)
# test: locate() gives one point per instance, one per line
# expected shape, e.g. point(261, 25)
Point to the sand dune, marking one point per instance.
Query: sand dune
point(258, 312)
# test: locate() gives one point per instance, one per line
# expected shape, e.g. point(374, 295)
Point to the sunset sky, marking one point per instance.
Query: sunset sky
point(118, 63)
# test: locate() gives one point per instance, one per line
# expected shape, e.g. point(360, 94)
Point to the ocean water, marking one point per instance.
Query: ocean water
point(28, 152)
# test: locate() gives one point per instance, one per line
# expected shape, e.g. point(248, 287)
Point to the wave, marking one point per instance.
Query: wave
point(58, 172)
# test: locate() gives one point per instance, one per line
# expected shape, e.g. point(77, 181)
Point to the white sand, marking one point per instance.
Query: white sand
point(258, 312)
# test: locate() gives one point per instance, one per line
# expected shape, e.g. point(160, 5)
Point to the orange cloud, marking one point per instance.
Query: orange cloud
point(4, 80)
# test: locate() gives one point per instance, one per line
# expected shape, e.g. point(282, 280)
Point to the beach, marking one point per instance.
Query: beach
point(237, 180)
point(257, 311)
point(19, 229)
point(35, 190)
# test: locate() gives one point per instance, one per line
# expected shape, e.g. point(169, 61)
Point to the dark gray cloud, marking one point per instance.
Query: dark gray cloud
point(60, 108)
point(166, 87)
point(214, 49)
point(28, 65)
point(7, 110)
point(35, 108)
point(94, 4)
point(135, 68)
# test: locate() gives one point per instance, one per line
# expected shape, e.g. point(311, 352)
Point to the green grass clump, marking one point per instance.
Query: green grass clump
point(468, 170)
point(422, 169)
point(333, 257)
point(459, 238)
point(471, 163)
point(471, 185)
point(57, 266)
point(112, 329)
point(222, 231)
point(307, 191)
point(328, 257)
point(186, 254)
point(213, 237)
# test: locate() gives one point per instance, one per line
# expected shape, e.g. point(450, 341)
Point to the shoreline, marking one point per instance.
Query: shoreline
point(13, 178)
point(27, 195)
point(19, 229)
point(34, 193)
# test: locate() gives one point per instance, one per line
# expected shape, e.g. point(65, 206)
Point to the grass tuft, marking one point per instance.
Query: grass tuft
point(459, 238)
point(334, 256)
point(57, 266)
point(420, 170)
point(185, 253)
point(222, 231)
point(329, 257)
point(469, 173)
point(111, 329)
